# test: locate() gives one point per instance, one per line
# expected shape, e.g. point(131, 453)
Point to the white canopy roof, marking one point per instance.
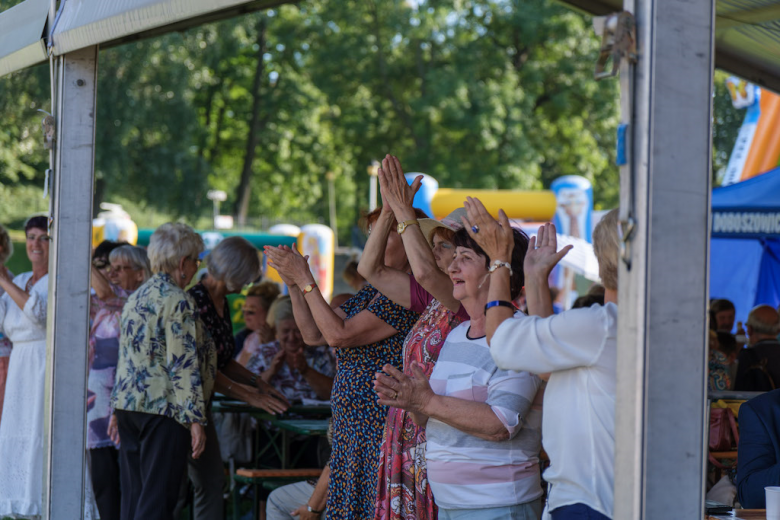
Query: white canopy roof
point(83, 23)
point(21, 35)
point(89, 22)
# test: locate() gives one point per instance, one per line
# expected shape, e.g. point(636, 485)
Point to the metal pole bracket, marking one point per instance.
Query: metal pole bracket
point(618, 42)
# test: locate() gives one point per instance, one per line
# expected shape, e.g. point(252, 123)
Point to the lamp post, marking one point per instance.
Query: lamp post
point(216, 196)
point(373, 173)
point(331, 177)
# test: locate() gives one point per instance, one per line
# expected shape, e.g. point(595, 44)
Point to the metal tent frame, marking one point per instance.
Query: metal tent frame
point(665, 190)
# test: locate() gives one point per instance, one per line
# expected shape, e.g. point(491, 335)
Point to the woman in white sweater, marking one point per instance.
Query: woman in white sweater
point(578, 347)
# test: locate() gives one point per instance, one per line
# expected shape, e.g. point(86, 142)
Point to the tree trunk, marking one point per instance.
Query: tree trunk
point(243, 193)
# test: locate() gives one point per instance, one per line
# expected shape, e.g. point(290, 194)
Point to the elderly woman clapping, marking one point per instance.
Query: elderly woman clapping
point(299, 371)
point(165, 375)
point(367, 332)
point(403, 490)
point(483, 423)
point(578, 346)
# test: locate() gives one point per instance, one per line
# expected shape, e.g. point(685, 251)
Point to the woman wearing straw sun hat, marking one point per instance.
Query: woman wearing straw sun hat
point(402, 488)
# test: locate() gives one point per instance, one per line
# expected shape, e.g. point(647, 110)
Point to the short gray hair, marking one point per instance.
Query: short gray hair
point(281, 310)
point(760, 325)
point(234, 261)
point(135, 256)
point(6, 244)
point(170, 243)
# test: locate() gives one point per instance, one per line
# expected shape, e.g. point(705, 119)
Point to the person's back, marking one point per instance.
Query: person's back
point(759, 449)
point(759, 364)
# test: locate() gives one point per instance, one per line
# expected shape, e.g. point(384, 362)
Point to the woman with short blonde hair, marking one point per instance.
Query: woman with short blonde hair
point(171, 245)
point(165, 346)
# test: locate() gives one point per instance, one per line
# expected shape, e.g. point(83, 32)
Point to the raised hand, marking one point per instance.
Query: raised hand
point(543, 252)
point(495, 237)
point(276, 364)
point(292, 267)
point(396, 192)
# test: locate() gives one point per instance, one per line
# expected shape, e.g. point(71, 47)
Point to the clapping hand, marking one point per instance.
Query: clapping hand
point(396, 192)
point(543, 252)
point(495, 237)
point(401, 391)
point(297, 361)
point(292, 267)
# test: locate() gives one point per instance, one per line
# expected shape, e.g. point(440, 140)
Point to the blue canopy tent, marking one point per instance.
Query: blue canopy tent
point(745, 247)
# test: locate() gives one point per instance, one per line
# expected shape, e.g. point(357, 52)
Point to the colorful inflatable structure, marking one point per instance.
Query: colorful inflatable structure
point(757, 149)
point(114, 224)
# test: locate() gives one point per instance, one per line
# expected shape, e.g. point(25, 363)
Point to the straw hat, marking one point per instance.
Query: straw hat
point(451, 222)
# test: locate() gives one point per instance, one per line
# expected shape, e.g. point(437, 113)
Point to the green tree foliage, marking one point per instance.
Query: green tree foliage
point(478, 94)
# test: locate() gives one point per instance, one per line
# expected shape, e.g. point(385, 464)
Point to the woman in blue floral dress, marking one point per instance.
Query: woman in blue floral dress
point(367, 332)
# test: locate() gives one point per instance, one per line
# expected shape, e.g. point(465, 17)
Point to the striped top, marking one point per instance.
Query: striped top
point(464, 471)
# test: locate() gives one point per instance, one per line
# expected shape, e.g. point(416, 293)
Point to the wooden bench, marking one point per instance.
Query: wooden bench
point(268, 479)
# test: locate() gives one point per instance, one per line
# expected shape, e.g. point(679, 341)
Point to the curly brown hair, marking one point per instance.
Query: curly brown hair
point(267, 292)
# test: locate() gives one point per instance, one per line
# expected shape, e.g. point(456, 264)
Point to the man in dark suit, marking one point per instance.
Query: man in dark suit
point(760, 362)
point(759, 449)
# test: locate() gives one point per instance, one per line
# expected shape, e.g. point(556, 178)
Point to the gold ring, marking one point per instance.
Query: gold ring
point(396, 395)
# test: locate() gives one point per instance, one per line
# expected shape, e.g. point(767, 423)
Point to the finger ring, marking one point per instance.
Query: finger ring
point(475, 228)
point(395, 395)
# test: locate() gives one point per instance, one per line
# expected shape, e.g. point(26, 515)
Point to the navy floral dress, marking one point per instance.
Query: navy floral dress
point(220, 328)
point(358, 421)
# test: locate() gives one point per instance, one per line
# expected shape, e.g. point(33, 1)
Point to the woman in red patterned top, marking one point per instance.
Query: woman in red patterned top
point(402, 488)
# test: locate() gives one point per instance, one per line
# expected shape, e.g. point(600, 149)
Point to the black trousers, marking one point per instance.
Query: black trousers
point(208, 479)
point(153, 459)
point(104, 469)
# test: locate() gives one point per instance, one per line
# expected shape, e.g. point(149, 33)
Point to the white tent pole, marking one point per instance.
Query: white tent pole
point(69, 282)
point(662, 350)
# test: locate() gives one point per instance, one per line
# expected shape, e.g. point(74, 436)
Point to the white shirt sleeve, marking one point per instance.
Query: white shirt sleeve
point(568, 340)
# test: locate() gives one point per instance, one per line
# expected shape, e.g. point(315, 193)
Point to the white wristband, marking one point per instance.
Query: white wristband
point(498, 263)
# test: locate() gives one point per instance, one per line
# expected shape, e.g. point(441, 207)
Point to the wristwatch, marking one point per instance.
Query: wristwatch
point(405, 224)
point(311, 510)
point(308, 288)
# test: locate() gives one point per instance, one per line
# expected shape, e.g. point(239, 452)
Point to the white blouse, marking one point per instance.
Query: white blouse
point(579, 347)
point(28, 324)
